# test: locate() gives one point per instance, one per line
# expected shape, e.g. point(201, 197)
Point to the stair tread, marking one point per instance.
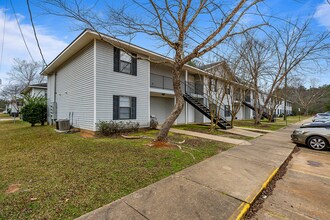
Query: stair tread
point(221, 122)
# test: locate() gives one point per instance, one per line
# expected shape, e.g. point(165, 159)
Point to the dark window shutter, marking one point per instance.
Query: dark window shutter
point(134, 65)
point(115, 107)
point(116, 59)
point(133, 107)
point(215, 85)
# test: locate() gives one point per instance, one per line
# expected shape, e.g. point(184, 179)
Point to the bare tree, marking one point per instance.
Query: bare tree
point(236, 89)
point(292, 46)
point(24, 73)
point(306, 97)
point(11, 92)
point(274, 103)
point(255, 66)
point(215, 93)
point(296, 46)
point(175, 23)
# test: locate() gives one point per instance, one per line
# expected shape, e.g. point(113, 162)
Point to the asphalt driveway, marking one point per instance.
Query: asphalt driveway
point(304, 191)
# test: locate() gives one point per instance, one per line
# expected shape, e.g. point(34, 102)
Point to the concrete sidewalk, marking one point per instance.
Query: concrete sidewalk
point(211, 137)
point(254, 129)
point(242, 132)
point(220, 187)
point(9, 119)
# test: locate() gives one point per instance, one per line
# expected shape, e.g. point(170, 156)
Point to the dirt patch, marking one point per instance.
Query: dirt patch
point(86, 135)
point(161, 144)
point(257, 204)
point(13, 188)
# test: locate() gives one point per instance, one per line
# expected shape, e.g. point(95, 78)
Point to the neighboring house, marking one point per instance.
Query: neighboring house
point(280, 108)
point(36, 90)
point(14, 107)
point(93, 80)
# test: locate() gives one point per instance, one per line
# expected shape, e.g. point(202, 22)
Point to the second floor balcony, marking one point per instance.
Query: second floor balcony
point(166, 83)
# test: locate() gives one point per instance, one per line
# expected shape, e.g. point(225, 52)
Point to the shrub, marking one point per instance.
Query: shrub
point(153, 122)
point(108, 128)
point(34, 110)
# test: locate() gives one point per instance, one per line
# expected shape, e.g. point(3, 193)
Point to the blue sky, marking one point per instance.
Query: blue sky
point(55, 33)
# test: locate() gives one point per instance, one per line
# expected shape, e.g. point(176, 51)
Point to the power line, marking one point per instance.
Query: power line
point(20, 29)
point(35, 33)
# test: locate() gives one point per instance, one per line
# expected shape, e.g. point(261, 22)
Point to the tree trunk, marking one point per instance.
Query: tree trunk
point(162, 135)
point(232, 121)
point(256, 108)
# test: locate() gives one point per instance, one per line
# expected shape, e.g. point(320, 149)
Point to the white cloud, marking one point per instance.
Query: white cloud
point(322, 14)
point(14, 46)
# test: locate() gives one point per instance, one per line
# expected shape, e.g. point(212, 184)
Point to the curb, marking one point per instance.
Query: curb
point(247, 206)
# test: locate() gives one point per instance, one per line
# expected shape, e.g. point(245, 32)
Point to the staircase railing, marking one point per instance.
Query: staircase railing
point(264, 112)
point(197, 92)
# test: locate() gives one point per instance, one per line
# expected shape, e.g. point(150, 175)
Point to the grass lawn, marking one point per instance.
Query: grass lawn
point(4, 115)
point(265, 125)
point(206, 129)
point(62, 176)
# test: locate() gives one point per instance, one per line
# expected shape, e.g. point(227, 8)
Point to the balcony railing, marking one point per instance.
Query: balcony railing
point(165, 82)
point(161, 82)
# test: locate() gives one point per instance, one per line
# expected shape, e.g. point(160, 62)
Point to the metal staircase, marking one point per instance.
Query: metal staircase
point(192, 94)
point(264, 114)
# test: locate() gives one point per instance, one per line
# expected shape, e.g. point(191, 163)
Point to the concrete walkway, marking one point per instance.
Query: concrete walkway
point(255, 129)
point(242, 132)
point(210, 137)
point(220, 187)
point(9, 119)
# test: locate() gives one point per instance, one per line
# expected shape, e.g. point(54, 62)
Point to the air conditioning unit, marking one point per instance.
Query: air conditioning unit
point(63, 124)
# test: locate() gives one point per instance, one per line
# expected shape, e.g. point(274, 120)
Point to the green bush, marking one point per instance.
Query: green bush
point(153, 122)
point(34, 110)
point(108, 128)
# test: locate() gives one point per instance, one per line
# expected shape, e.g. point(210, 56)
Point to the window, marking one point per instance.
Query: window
point(227, 111)
point(212, 85)
point(124, 63)
point(228, 90)
point(124, 107)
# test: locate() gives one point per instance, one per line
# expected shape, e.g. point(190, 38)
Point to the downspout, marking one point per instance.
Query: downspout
point(55, 87)
point(54, 111)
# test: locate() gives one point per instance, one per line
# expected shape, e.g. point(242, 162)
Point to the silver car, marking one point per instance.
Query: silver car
point(314, 135)
point(321, 117)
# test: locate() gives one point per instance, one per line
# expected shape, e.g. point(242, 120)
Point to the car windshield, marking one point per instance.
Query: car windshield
point(322, 115)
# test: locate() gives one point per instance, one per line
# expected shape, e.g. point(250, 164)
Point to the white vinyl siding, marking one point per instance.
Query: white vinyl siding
point(75, 89)
point(109, 83)
point(161, 107)
point(38, 92)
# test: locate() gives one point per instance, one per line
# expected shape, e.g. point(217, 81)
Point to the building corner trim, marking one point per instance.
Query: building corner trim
point(94, 72)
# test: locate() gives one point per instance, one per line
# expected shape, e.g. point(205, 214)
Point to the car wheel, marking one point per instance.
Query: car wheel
point(317, 143)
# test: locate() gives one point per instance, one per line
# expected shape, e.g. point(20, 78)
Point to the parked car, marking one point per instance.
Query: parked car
point(317, 124)
point(314, 135)
point(321, 117)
